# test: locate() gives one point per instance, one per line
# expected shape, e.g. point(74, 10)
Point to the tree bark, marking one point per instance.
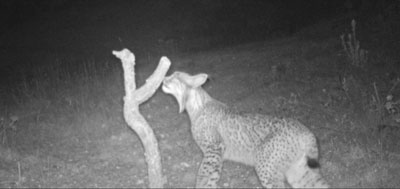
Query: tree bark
point(133, 98)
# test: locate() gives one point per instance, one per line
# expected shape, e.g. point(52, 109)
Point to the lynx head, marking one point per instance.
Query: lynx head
point(181, 85)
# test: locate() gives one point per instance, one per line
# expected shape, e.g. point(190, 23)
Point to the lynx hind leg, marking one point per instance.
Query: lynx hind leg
point(270, 163)
point(270, 178)
point(210, 170)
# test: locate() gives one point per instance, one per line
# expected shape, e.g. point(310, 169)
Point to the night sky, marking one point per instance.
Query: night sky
point(93, 28)
point(35, 32)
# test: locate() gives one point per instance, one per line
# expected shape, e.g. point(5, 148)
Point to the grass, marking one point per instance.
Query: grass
point(64, 91)
point(357, 56)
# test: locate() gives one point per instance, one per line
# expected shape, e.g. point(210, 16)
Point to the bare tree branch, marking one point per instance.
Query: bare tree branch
point(133, 98)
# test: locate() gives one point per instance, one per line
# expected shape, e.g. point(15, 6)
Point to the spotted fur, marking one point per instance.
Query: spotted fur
point(281, 150)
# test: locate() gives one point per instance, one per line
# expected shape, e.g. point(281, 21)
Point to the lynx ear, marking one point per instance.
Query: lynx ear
point(197, 80)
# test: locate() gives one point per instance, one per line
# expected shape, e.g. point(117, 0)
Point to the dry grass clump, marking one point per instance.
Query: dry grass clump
point(351, 46)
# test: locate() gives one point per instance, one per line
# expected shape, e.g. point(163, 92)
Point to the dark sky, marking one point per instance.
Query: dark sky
point(19, 11)
point(82, 27)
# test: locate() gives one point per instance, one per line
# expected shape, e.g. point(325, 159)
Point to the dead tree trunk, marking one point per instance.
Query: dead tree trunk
point(133, 98)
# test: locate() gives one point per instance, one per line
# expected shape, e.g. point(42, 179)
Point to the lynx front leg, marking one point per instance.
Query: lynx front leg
point(210, 168)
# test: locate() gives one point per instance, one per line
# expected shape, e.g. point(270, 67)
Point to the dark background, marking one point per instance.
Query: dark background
point(92, 28)
point(61, 89)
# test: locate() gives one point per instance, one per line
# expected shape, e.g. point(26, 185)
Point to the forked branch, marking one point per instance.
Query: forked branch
point(133, 98)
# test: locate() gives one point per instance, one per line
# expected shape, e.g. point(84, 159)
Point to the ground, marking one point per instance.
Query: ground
point(70, 131)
